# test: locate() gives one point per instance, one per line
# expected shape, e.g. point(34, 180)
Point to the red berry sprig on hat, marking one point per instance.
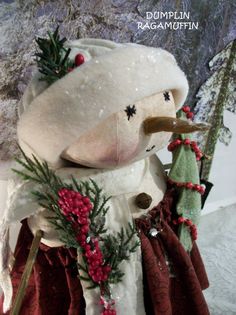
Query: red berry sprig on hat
point(53, 57)
point(78, 61)
point(189, 223)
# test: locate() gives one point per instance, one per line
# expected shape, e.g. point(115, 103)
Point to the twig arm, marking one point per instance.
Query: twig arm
point(26, 274)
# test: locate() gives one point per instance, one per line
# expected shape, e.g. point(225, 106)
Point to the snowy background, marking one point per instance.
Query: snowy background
point(22, 20)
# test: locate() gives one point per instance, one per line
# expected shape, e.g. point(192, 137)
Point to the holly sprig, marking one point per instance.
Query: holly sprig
point(52, 58)
point(115, 247)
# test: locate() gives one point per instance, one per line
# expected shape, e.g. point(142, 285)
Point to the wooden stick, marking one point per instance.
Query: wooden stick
point(26, 274)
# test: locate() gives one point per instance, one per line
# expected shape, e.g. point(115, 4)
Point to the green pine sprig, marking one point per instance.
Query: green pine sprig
point(52, 58)
point(115, 247)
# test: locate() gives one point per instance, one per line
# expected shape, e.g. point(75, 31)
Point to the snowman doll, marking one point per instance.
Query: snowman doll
point(97, 125)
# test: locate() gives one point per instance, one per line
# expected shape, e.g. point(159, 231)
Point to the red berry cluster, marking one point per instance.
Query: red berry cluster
point(193, 144)
point(186, 109)
point(188, 185)
point(109, 312)
point(108, 306)
point(76, 209)
point(96, 268)
point(189, 223)
point(79, 60)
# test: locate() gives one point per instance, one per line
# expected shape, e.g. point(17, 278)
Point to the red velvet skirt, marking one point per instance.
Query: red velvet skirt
point(173, 279)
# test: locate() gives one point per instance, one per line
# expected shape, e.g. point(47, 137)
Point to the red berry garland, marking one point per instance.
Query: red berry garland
point(188, 185)
point(189, 223)
point(76, 208)
point(78, 61)
point(190, 115)
point(187, 110)
point(177, 142)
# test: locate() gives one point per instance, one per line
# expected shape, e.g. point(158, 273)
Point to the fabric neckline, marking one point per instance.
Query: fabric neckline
point(115, 182)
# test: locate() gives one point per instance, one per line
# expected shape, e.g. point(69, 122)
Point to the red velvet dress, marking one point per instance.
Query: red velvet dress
point(173, 288)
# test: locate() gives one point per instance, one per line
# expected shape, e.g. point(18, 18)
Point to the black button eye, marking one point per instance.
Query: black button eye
point(166, 96)
point(130, 111)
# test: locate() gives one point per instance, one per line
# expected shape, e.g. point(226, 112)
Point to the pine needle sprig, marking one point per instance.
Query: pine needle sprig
point(52, 58)
point(118, 248)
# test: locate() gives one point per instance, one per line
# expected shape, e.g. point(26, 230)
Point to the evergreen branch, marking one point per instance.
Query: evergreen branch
point(38, 195)
point(96, 199)
point(94, 286)
point(105, 210)
point(116, 276)
point(105, 200)
point(97, 189)
point(64, 60)
point(76, 185)
point(135, 246)
point(115, 248)
point(25, 176)
point(84, 278)
point(102, 231)
point(53, 58)
point(88, 190)
point(82, 267)
point(44, 174)
point(23, 164)
point(132, 233)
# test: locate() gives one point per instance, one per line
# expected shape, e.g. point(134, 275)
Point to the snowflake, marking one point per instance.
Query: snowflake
point(130, 111)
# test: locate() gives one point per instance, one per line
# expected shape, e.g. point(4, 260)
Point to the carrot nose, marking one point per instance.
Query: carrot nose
point(170, 124)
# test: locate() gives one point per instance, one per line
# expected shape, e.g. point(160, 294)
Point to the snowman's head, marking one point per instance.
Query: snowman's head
point(94, 116)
